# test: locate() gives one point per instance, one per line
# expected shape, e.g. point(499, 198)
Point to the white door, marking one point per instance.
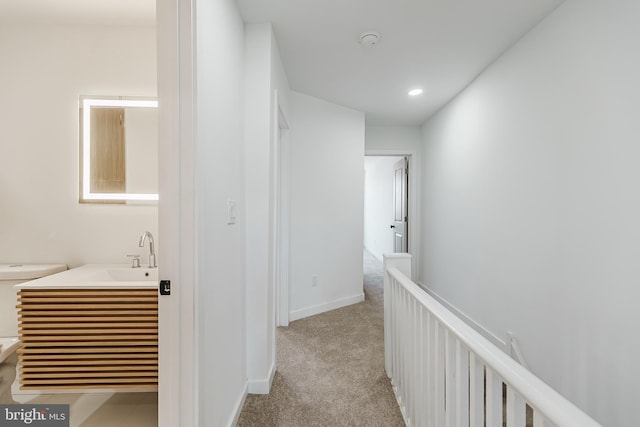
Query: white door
point(400, 225)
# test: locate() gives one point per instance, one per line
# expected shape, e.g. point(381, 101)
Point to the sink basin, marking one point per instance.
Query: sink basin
point(133, 274)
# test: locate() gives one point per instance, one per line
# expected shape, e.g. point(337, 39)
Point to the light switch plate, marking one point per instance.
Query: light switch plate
point(231, 211)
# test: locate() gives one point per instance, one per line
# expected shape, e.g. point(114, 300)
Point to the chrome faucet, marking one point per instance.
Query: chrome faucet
point(152, 252)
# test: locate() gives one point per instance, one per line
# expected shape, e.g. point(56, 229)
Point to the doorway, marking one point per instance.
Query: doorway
point(412, 203)
point(386, 200)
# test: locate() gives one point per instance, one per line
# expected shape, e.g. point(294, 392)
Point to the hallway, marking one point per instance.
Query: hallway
point(331, 369)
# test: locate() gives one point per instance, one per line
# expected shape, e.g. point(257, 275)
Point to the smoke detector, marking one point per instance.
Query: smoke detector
point(369, 38)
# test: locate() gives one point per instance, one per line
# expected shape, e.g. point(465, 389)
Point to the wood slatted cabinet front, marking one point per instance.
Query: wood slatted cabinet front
point(88, 339)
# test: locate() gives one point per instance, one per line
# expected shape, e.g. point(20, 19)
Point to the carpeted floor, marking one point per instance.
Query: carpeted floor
point(330, 369)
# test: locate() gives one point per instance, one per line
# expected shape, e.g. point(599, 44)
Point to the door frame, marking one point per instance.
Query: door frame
point(281, 202)
point(414, 200)
point(177, 348)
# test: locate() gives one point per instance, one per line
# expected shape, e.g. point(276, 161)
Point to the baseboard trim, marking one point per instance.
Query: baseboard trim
point(403, 409)
point(238, 408)
point(262, 386)
point(321, 308)
point(469, 321)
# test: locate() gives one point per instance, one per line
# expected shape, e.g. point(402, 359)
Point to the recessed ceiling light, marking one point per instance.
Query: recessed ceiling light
point(415, 92)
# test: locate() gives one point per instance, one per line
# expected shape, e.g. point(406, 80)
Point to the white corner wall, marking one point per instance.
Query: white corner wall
point(219, 162)
point(264, 77)
point(257, 193)
point(531, 203)
point(327, 186)
point(379, 174)
point(44, 70)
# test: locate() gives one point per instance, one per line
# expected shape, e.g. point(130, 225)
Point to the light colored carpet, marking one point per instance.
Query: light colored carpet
point(330, 369)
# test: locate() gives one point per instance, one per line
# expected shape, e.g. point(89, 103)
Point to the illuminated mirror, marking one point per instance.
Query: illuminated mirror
point(119, 150)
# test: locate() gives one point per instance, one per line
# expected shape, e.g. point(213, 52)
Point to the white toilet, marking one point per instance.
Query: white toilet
point(10, 275)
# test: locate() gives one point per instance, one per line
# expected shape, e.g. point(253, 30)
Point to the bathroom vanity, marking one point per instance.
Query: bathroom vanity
point(92, 327)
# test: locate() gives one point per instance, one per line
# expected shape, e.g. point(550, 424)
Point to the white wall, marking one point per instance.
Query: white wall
point(531, 203)
point(327, 186)
point(219, 153)
point(257, 191)
point(44, 70)
point(399, 139)
point(379, 172)
point(279, 102)
point(264, 75)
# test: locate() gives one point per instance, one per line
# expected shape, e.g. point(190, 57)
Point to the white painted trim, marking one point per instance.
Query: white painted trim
point(264, 385)
point(321, 308)
point(178, 346)
point(403, 263)
point(281, 214)
point(233, 421)
point(548, 403)
point(469, 321)
point(414, 201)
point(169, 354)
point(513, 349)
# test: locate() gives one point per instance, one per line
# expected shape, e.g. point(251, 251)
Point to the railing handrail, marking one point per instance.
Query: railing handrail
point(555, 407)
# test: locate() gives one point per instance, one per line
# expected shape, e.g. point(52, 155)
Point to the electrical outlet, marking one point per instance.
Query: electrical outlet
point(314, 280)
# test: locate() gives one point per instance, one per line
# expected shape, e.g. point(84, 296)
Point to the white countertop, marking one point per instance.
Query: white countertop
point(98, 276)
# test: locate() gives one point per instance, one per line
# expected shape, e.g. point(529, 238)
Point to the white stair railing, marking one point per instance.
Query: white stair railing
point(445, 374)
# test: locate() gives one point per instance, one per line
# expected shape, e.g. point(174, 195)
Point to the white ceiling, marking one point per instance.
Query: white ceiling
point(439, 45)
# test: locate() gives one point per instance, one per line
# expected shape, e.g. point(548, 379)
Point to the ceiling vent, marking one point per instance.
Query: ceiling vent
point(369, 38)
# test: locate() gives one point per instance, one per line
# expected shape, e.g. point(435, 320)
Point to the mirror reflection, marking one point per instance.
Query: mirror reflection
point(119, 150)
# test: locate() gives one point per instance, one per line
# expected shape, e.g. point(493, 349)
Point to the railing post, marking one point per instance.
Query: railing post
point(401, 261)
